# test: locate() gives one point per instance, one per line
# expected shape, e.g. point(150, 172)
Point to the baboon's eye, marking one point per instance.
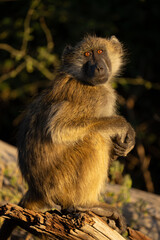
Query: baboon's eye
point(87, 54)
point(99, 51)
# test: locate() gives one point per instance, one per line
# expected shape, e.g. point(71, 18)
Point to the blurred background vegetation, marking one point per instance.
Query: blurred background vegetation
point(32, 37)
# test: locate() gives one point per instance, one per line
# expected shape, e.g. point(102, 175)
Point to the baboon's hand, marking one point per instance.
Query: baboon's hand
point(123, 147)
point(130, 139)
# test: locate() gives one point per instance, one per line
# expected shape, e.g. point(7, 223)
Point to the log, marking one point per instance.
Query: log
point(54, 225)
point(74, 225)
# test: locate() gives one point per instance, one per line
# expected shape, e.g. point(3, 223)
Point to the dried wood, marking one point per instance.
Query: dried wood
point(54, 225)
point(137, 235)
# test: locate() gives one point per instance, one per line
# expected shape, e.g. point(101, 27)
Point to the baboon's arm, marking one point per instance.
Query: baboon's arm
point(63, 128)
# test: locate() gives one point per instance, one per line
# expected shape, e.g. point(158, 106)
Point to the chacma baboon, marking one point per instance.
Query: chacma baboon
point(71, 131)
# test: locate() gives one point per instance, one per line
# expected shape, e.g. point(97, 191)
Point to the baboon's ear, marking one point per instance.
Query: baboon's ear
point(66, 52)
point(113, 39)
point(116, 44)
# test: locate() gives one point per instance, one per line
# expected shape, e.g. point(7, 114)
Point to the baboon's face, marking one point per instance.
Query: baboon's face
point(94, 60)
point(97, 66)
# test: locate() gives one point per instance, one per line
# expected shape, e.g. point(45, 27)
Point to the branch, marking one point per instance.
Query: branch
point(50, 43)
point(22, 53)
point(54, 225)
point(27, 28)
point(137, 235)
point(11, 50)
point(13, 73)
point(145, 161)
point(40, 66)
point(139, 81)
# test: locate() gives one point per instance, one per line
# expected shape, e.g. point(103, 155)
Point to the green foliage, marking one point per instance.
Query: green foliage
point(116, 170)
point(116, 175)
point(11, 190)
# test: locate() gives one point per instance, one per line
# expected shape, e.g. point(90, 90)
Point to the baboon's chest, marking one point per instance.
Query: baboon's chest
point(107, 107)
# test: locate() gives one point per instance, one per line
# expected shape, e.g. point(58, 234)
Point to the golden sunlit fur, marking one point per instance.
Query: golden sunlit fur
point(66, 138)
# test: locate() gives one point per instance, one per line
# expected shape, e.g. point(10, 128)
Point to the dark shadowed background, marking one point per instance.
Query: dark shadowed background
point(32, 37)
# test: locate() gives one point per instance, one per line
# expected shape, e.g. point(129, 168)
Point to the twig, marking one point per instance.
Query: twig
point(13, 73)
point(50, 43)
point(27, 28)
point(22, 53)
point(10, 49)
point(40, 66)
point(139, 81)
point(145, 161)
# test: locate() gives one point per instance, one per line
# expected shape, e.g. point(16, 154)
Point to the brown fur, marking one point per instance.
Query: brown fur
point(65, 140)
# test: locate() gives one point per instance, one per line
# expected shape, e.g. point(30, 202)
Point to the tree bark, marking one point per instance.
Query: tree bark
point(54, 225)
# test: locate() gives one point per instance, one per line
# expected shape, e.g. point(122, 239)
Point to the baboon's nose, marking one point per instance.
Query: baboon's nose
point(99, 69)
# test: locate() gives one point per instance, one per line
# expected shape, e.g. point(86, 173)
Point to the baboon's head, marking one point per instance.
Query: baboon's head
point(94, 60)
